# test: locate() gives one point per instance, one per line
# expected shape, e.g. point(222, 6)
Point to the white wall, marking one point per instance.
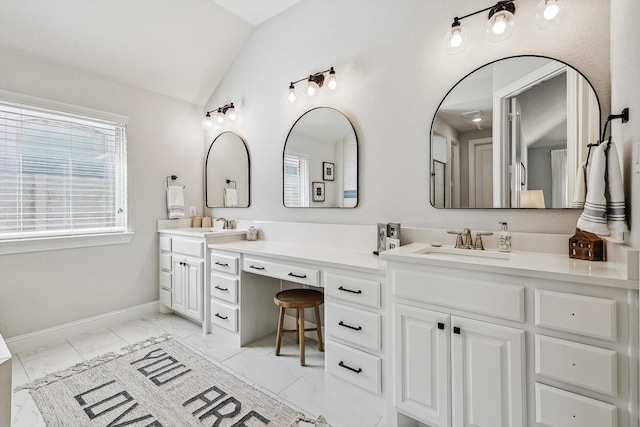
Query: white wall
point(393, 72)
point(44, 289)
point(625, 92)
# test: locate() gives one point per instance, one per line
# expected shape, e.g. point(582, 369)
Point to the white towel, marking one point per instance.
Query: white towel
point(594, 216)
point(580, 191)
point(175, 202)
point(614, 192)
point(230, 197)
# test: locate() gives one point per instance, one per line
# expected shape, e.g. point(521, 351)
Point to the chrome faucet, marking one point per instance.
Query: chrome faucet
point(464, 240)
point(467, 239)
point(226, 223)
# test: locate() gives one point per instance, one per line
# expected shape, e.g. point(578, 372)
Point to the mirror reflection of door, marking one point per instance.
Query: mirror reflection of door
point(439, 184)
point(481, 173)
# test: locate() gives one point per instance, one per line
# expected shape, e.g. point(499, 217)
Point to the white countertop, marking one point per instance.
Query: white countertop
point(529, 264)
point(202, 232)
point(329, 257)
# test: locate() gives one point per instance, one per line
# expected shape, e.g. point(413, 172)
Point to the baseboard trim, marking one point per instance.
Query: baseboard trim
point(35, 339)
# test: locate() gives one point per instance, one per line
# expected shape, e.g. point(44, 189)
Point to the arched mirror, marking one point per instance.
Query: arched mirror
point(227, 172)
point(320, 162)
point(512, 134)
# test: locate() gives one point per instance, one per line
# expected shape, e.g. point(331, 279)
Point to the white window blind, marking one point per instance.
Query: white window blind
point(296, 181)
point(60, 173)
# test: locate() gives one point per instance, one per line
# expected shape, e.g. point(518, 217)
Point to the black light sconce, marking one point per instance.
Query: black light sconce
point(226, 111)
point(500, 22)
point(314, 82)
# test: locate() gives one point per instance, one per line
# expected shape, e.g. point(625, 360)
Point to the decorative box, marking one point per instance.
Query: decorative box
point(585, 245)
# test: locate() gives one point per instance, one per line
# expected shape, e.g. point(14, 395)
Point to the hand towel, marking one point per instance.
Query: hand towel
point(580, 191)
point(614, 192)
point(594, 216)
point(230, 197)
point(175, 202)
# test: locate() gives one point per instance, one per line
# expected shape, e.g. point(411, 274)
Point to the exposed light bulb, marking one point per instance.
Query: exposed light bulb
point(231, 113)
point(311, 88)
point(499, 25)
point(455, 39)
point(207, 122)
point(219, 117)
point(292, 93)
point(333, 83)
point(550, 13)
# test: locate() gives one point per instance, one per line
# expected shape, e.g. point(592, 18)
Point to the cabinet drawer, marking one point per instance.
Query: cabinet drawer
point(165, 262)
point(353, 326)
point(224, 288)
point(579, 364)
point(165, 280)
point(590, 316)
point(165, 243)
point(188, 247)
point(224, 315)
point(559, 408)
point(360, 291)
point(227, 263)
point(165, 297)
point(289, 272)
point(355, 366)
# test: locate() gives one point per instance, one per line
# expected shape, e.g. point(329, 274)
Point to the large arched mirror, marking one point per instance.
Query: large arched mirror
point(512, 134)
point(320, 162)
point(227, 172)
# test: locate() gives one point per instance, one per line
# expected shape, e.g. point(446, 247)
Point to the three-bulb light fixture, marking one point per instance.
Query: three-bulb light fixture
point(221, 114)
point(314, 83)
point(549, 13)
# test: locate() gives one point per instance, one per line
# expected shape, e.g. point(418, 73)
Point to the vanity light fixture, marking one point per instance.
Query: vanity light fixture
point(314, 83)
point(226, 111)
point(500, 22)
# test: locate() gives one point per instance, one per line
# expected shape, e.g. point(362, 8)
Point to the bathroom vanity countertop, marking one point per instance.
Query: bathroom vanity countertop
point(202, 232)
point(529, 264)
point(329, 257)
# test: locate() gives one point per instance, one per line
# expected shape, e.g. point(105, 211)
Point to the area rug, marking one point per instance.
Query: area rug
point(157, 382)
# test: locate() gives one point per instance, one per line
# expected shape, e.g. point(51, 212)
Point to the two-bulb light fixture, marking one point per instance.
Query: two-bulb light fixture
point(314, 83)
point(549, 13)
point(227, 111)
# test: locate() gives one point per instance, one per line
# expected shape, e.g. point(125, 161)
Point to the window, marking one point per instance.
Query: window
point(63, 171)
point(296, 181)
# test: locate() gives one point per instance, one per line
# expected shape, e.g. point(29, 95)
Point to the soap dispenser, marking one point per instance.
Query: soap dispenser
point(504, 238)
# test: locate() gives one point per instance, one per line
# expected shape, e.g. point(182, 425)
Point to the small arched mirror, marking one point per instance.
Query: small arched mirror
point(320, 162)
point(512, 134)
point(227, 172)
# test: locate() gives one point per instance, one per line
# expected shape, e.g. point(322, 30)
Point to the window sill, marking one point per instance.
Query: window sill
point(40, 244)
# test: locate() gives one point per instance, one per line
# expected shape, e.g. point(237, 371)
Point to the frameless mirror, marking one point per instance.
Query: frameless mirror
point(512, 134)
point(320, 161)
point(227, 172)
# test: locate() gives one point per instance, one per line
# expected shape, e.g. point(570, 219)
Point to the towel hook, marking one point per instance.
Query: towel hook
point(624, 115)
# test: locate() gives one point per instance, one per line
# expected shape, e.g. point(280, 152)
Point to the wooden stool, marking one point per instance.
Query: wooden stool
point(299, 299)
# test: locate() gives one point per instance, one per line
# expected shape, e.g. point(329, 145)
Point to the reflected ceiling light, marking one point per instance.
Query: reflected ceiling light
point(221, 113)
point(475, 116)
point(314, 83)
point(550, 13)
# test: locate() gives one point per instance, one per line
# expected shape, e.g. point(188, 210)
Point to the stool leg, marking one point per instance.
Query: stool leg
point(279, 333)
point(319, 328)
point(301, 333)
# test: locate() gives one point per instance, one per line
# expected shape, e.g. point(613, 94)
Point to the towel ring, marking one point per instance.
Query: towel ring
point(624, 115)
point(234, 183)
point(173, 178)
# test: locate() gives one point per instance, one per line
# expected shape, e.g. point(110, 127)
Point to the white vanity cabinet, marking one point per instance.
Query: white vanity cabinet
point(354, 323)
point(452, 370)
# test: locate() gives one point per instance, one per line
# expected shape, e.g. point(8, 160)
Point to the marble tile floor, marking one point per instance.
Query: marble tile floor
point(305, 388)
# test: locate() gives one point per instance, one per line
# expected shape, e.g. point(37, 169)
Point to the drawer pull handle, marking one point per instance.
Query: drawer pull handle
point(221, 317)
point(304, 276)
point(456, 330)
point(222, 264)
point(342, 365)
point(222, 289)
point(256, 268)
point(349, 290)
point(341, 323)
point(440, 325)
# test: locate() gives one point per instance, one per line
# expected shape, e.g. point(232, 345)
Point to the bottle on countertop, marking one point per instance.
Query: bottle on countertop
point(504, 238)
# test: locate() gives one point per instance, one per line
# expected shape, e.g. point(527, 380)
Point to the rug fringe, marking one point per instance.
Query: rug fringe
point(92, 363)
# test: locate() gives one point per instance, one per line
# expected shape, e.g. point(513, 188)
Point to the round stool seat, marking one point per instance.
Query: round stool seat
point(299, 299)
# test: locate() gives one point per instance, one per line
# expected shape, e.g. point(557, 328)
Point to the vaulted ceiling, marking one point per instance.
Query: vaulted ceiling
point(179, 48)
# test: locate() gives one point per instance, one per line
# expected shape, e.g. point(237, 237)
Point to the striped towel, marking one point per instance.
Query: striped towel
point(604, 207)
point(175, 202)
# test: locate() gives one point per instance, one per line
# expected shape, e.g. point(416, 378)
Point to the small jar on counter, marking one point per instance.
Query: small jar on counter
point(252, 233)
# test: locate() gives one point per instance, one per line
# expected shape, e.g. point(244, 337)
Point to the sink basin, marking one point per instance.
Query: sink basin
point(457, 252)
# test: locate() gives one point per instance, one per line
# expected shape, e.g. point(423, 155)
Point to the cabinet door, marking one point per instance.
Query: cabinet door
point(193, 287)
point(422, 364)
point(487, 373)
point(178, 302)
